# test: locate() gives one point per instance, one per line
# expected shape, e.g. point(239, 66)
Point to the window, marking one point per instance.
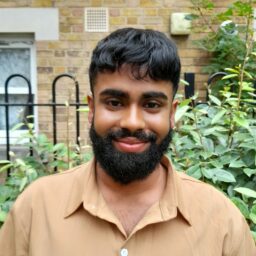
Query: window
point(17, 56)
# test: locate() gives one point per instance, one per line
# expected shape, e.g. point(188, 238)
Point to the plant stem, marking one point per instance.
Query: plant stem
point(206, 21)
point(197, 129)
point(248, 44)
point(67, 137)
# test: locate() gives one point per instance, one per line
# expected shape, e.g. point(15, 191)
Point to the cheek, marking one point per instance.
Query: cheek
point(104, 121)
point(159, 124)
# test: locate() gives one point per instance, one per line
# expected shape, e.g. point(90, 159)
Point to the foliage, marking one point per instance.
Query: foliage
point(226, 40)
point(47, 158)
point(216, 141)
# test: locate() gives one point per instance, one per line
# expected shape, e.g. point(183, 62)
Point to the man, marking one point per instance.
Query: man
point(128, 200)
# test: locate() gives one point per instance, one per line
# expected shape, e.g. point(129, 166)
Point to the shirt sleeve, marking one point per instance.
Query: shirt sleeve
point(247, 245)
point(241, 241)
point(13, 241)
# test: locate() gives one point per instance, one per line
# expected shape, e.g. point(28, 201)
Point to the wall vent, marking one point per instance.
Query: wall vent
point(96, 19)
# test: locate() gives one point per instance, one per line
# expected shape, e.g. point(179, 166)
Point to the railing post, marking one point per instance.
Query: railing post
point(218, 75)
point(54, 107)
point(189, 89)
point(6, 101)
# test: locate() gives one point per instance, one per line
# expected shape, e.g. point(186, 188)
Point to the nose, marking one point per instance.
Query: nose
point(133, 119)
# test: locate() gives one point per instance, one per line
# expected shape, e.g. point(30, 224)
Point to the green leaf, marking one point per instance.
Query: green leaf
point(4, 162)
point(242, 206)
point(226, 159)
point(84, 109)
point(219, 174)
point(3, 216)
point(224, 176)
point(182, 81)
point(253, 217)
point(194, 171)
point(185, 102)
point(195, 136)
point(5, 168)
point(210, 5)
point(229, 76)
point(247, 145)
point(253, 235)
point(180, 113)
point(237, 164)
point(23, 183)
point(17, 126)
point(241, 121)
point(20, 162)
point(30, 117)
point(209, 131)
point(218, 116)
point(249, 172)
point(5, 193)
point(215, 100)
point(253, 209)
point(42, 139)
point(206, 154)
point(208, 173)
point(216, 164)
point(208, 144)
point(220, 150)
point(231, 70)
point(246, 192)
point(59, 146)
point(30, 126)
point(191, 16)
point(248, 74)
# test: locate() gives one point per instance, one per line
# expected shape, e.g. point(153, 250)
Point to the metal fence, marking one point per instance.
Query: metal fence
point(30, 104)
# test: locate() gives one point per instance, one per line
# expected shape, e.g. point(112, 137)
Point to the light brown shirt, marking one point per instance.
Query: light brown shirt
point(66, 215)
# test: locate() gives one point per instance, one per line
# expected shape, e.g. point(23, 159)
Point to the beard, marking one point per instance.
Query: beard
point(123, 167)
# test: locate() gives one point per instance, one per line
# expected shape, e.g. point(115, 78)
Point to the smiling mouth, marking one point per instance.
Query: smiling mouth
point(130, 145)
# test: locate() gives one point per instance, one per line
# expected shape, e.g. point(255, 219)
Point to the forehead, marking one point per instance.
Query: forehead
point(123, 81)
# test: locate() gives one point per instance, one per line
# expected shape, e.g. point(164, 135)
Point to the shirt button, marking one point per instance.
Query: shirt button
point(124, 252)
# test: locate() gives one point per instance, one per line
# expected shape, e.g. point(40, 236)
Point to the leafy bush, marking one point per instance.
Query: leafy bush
point(228, 34)
point(47, 159)
point(216, 142)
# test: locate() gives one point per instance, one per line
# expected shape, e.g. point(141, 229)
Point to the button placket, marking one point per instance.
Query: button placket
point(124, 252)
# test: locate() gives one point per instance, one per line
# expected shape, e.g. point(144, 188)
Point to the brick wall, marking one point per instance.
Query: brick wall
point(71, 53)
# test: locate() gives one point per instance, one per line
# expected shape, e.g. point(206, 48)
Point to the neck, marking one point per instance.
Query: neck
point(148, 189)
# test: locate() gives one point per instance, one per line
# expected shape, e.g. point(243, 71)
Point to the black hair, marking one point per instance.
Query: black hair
point(148, 53)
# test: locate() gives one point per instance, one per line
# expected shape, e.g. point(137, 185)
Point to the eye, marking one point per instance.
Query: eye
point(114, 103)
point(152, 105)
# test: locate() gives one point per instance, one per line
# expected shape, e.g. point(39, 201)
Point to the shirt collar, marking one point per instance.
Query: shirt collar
point(83, 187)
point(84, 191)
point(174, 197)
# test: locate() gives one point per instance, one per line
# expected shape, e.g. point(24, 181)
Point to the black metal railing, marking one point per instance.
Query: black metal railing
point(30, 104)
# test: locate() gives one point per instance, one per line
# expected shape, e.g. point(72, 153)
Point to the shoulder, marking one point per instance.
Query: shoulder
point(53, 188)
point(211, 208)
point(203, 195)
point(62, 180)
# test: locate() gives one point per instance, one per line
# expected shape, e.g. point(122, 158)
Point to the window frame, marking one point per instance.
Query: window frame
point(20, 41)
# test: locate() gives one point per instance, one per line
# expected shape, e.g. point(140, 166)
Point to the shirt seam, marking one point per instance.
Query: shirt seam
point(21, 227)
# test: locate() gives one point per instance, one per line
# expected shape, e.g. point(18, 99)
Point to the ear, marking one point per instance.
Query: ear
point(90, 102)
point(175, 103)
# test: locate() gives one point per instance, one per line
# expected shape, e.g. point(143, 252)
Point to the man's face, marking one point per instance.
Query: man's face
point(131, 124)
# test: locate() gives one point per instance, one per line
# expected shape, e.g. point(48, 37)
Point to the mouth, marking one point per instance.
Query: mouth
point(130, 145)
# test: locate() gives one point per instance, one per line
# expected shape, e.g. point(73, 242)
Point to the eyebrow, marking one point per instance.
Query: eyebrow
point(154, 94)
point(115, 93)
point(122, 94)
